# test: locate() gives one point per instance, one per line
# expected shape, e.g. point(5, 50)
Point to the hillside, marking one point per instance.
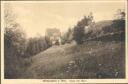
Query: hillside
point(102, 24)
point(107, 30)
point(96, 58)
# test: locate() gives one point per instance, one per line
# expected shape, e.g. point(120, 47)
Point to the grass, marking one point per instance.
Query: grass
point(101, 57)
point(93, 59)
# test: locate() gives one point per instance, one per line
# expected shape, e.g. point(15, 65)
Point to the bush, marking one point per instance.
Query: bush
point(17, 49)
point(79, 35)
point(67, 37)
point(14, 46)
point(36, 45)
point(79, 30)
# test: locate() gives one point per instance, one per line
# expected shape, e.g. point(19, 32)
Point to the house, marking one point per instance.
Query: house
point(54, 35)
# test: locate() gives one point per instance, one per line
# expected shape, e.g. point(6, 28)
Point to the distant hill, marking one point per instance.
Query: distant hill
point(101, 56)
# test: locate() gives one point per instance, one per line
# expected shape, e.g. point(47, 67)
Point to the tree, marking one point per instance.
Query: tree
point(120, 15)
point(119, 21)
point(14, 45)
point(67, 37)
point(47, 39)
point(79, 30)
point(79, 34)
point(36, 45)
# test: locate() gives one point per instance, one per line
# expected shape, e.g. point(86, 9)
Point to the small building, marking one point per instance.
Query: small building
point(54, 35)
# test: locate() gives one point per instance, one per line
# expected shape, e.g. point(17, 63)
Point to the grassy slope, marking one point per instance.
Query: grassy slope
point(90, 60)
point(93, 59)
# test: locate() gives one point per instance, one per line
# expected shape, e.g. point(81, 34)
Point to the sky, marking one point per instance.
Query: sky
point(35, 18)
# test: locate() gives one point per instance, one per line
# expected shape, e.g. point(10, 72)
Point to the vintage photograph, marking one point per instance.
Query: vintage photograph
point(64, 40)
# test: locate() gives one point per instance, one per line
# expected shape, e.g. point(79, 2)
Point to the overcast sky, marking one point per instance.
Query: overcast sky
point(36, 17)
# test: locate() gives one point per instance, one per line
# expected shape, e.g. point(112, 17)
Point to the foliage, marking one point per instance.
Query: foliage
point(14, 45)
point(67, 37)
point(118, 24)
point(79, 30)
point(78, 35)
point(120, 15)
point(17, 49)
point(48, 41)
point(36, 45)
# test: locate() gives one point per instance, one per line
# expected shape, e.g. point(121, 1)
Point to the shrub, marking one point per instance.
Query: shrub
point(14, 46)
point(79, 35)
point(79, 30)
point(36, 45)
point(67, 37)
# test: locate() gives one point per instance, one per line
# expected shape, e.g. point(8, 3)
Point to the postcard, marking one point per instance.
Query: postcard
point(64, 42)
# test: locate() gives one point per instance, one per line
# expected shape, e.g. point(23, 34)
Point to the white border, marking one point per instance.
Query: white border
point(2, 42)
point(40, 81)
point(64, 1)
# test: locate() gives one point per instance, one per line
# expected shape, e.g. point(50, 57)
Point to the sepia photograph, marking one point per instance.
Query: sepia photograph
point(64, 39)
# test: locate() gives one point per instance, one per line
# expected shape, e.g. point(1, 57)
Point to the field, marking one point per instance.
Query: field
point(103, 56)
point(92, 59)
